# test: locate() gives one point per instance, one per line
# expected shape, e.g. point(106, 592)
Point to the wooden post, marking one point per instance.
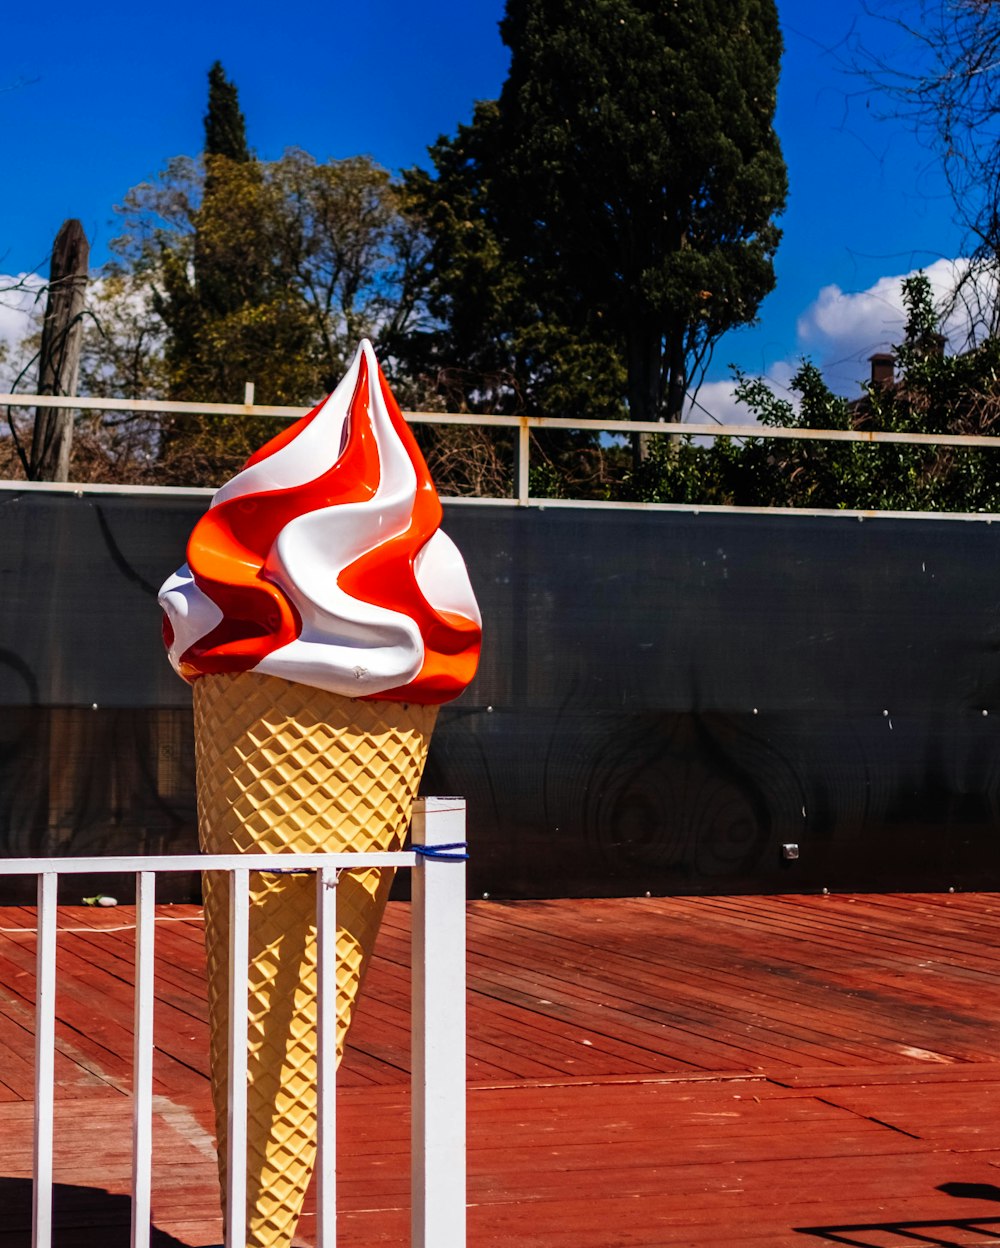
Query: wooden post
point(59, 358)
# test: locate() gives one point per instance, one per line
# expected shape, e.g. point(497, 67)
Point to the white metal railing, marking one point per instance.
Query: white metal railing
point(438, 1031)
point(523, 424)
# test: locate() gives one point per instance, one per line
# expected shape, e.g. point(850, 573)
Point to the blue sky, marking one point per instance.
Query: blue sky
point(95, 99)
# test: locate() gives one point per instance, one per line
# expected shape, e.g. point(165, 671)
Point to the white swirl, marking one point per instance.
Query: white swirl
point(191, 613)
point(345, 645)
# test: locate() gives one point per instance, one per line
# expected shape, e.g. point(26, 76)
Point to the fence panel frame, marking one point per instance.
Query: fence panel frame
point(438, 912)
point(522, 424)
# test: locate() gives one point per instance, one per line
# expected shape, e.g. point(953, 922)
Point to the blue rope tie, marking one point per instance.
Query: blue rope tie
point(457, 851)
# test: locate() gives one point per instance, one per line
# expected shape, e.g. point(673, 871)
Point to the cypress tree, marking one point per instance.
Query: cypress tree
point(223, 267)
point(642, 169)
point(225, 126)
point(628, 179)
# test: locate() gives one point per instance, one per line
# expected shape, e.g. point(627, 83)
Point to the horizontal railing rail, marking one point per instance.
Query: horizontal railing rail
point(438, 1033)
point(524, 425)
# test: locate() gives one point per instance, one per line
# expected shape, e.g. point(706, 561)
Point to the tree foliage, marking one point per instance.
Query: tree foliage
point(934, 393)
point(238, 270)
point(496, 344)
point(225, 126)
point(489, 345)
point(574, 251)
point(596, 229)
point(642, 170)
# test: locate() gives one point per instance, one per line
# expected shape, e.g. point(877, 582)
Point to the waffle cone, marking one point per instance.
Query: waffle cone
point(284, 768)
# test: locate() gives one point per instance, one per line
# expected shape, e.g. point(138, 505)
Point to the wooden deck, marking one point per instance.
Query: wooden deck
point(662, 1072)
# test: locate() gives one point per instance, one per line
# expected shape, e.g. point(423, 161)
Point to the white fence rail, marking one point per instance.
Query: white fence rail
point(438, 1043)
point(524, 425)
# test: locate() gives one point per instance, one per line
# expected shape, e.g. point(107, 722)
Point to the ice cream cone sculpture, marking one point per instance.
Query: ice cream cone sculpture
point(322, 616)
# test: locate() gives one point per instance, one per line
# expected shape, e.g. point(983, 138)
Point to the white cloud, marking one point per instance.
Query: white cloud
point(850, 324)
point(839, 331)
point(717, 399)
point(18, 295)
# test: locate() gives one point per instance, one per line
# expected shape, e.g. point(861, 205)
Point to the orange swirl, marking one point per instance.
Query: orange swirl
point(228, 550)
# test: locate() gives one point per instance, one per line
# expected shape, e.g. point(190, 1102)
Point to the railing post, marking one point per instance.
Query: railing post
point(522, 462)
point(326, 1065)
point(47, 918)
point(439, 1044)
point(438, 1144)
point(142, 1057)
point(236, 1135)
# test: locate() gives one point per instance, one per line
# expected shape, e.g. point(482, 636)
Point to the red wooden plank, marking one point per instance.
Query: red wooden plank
point(858, 1018)
point(606, 1153)
point(692, 999)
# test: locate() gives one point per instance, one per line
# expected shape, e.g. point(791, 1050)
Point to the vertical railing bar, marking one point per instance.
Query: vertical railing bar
point(326, 1073)
point(417, 1036)
point(45, 1042)
point(523, 462)
point(236, 1134)
point(418, 1051)
point(438, 1166)
point(142, 1057)
point(438, 1044)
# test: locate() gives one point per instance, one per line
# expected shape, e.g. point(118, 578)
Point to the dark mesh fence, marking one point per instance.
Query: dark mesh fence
point(665, 698)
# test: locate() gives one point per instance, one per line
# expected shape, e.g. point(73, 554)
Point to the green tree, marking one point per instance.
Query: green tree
point(494, 345)
point(225, 127)
point(262, 271)
point(220, 268)
point(490, 346)
point(612, 214)
point(317, 255)
point(931, 393)
point(642, 173)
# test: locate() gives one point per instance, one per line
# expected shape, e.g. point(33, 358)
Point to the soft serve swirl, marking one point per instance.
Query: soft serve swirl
point(322, 562)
